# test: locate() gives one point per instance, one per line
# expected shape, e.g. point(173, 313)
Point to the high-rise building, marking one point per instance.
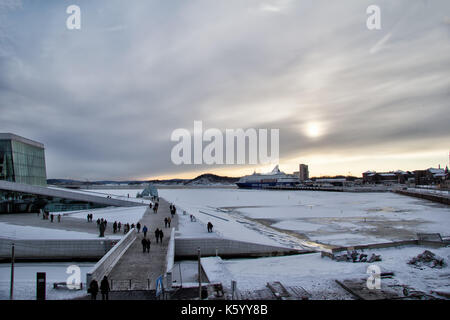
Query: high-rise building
point(303, 172)
point(22, 160)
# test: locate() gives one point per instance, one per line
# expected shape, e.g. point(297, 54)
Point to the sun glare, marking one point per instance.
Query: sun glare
point(313, 130)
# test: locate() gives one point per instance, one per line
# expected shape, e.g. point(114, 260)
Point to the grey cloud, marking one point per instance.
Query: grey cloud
point(105, 100)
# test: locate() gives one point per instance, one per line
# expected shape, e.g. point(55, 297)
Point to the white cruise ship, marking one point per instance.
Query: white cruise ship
point(264, 180)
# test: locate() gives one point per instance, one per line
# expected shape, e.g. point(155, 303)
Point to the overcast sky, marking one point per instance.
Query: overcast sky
point(105, 99)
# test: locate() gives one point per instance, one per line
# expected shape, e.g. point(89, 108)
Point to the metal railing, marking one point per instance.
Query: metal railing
point(130, 284)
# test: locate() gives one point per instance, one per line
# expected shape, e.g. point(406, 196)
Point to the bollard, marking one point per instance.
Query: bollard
point(40, 286)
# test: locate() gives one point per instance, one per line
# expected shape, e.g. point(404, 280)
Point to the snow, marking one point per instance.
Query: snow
point(124, 215)
point(120, 194)
point(317, 275)
point(25, 279)
point(13, 231)
point(336, 218)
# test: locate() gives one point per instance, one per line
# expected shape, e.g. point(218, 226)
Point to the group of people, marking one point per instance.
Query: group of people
point(146, 245)
point(155, 207)
point(104, 288)
point(159, 234)
point(167, 222)
point(173, 209)
point(46, 215)
point(90, 216)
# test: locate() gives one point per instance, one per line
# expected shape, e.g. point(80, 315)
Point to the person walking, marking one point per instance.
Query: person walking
point(157, 235)
point(119, 225)
point(174, 210)
point(93, 289)
point(138, 227)
point(165, 222)
point(169, 221)
point(104, 288)
point(161, 235)
point(51, 217)
point(88, 217)
point(144, 230)
point(144, 244)
point(59, 218)
point(115, 226)
point(148, 243)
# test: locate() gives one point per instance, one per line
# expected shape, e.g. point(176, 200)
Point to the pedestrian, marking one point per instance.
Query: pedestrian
point(115, 226)
point(104, 288)
point(59, 218)
point(144, 244)
point(132, 226)
point(88, 217)
point(148, 243)
point(165, 222)
point(169, 221)
point(119, 225)
point(106, 222)
point(51, 217)
point(161, 235)
point(144, 230)
point(101, 229)
point(138, 227)
point(93, 289)
point(174, 211)
point(157, 235)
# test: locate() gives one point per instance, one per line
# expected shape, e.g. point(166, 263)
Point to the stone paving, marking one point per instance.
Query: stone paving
point(137, 270)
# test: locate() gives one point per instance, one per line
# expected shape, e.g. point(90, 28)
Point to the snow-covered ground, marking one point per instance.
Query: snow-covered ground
point(287, 217)
point(317, 275)
point(121, 194)
point(121, 214)
point(13, 231)
point(25, 279)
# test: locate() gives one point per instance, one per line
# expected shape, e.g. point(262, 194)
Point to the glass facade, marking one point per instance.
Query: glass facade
point(22, 162)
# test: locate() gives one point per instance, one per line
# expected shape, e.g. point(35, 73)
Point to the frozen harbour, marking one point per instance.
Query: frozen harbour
point(294, 219)
point(333, 218)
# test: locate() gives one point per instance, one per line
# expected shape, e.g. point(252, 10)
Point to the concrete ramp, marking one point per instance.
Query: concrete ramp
point(186, 248)
point(66, 194)
point(216, 272)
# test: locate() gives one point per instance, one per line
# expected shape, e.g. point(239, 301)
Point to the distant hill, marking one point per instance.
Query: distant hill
point(209, 179)
point(204, 179)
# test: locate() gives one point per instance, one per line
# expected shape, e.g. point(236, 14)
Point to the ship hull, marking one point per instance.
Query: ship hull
point(262, 185)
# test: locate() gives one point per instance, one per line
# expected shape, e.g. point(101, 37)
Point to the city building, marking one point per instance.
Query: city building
point(23, 182)
point(430, 176)
point(391, 177)
point(303, 173)
point(22, 160)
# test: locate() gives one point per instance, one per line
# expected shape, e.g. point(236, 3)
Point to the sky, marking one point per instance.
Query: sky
point(105, 99)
